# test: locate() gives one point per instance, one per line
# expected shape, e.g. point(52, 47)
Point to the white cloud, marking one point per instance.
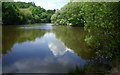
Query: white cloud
point(64, 0)
point(61, 6)
point(25, 0)
point(46, 5)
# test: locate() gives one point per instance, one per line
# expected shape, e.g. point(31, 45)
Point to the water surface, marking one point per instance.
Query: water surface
point(43, 48)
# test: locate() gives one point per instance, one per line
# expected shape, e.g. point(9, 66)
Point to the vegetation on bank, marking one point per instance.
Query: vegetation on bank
point(69, 14)
point(0, 13)
point(24, 13)
point(100, 20)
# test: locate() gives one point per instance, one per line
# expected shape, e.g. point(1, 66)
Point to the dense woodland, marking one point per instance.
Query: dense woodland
point(24, 13)
point(0, 13)
point(100, 20)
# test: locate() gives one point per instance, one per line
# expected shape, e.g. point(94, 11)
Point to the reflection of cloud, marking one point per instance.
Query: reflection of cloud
point(0, 49)
point(47, 65)
point(38, 41)
point(0, 66)
point(58, 47)
point(49, 34)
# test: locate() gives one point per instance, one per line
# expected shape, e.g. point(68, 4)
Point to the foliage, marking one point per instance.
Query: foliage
point(24, 5)
point(24, 13)
point(0, 13)
point(10, 14)
point(92, 69)
point(102, 24)
point(44, 15)
point(70, 13)
point(101, 20)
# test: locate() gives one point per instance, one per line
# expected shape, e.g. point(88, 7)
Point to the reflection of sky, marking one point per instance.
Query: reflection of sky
point(0, 66)
point(40, 56)
point(37, 65)
point(58, 48)
point(37, 26)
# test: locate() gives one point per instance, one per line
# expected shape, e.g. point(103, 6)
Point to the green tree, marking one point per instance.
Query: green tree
point(24, 13)
point(27, 16)
point(24, 5)
point(70, 13)
point(101, 20)
point(10, 14)
point(102, 23)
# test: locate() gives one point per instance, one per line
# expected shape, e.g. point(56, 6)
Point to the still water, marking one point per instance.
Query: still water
point(43, 48)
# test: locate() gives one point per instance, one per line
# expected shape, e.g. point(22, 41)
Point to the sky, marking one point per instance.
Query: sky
point(47, 4)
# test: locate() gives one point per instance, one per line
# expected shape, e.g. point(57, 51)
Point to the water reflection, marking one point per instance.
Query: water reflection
point(58, 48)
point(0, 46)
point(37, 26)
point(12, 35)
point(48, 65)
point(0, 65)
point(36, 57)
point(73, 38)
point(40, 48)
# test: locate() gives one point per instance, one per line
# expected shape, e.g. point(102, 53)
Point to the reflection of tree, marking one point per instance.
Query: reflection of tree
point(11, 35)
point(0, 40)
point(0, 27)
point(73, 38)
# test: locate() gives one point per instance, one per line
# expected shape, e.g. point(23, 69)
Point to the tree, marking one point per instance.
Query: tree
point(24, 13)
point(10, 14)
point(70, 13)
point(101, 20)
point(27, 16)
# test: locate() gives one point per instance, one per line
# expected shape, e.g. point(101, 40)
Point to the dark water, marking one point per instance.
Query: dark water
point(43, 48)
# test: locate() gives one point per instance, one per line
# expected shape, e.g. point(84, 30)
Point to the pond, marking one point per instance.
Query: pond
point(43, 48)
